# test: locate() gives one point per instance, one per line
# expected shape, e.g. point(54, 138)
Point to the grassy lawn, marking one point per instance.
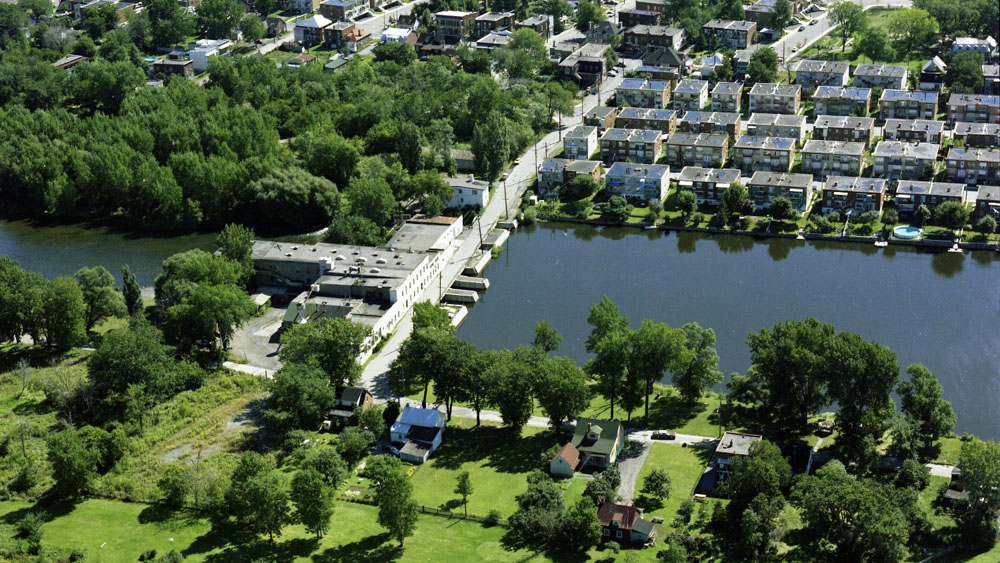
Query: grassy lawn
point(684, 466)
point(116, 531)
point(498, 464)
point(950, 449)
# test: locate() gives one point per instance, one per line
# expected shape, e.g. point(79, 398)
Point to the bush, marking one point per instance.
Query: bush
point(30, 528)
point(685, 511)
point(493, 518)
point(913, 475)
point(530, 216)
point(986, 225)
point(613, 547)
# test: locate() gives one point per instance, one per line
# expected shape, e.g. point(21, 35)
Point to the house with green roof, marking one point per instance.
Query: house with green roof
point(598, 441)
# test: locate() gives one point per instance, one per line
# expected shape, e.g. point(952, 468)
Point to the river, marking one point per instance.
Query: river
point(63, 249)
point(939, 309)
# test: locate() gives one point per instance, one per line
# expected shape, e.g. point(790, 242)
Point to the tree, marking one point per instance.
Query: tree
point(117, 45)
point(764, 473)
point(655, 349)
point(763, 66)
point(327, 154)
point(397, 512)
point(539, 510)
point(380, 469)
point(559, 97)
point(546, 337)
point(657, 485)
point(604, 486)
point(782, 14)
point(911, 28)
point(850, 18)
point(372, 199)
point(736, 199)
point(873, 42)
point(252, 28)
point(986, 225)
point(334, 343)
point(687, 202)
point(354, 230)
point(74, 466)
point(921, 400)
point(890, 216)
point(328, 463)
point(372, 420)
point(701, 370)
point(256, 498)
point(218, 18)
point(475, 385)
point(781, 209)
point(922, 214)
point(786, 380)
point(562, 391)
point(103, 85)
point(301, 396)
point(618, 209)
point(312, 500)
point(951, 214)
point(65, 313)
point(610, 367)
point(399, 53)
point(131, 294)
point(99, 295)
point(37, 8)
point(605, 318)
point(211, 313)
point(965, 73)
point(491, 146)
point(353, 444)
point(235, 243)
point(429, 315)
point(13, 22)
point(98, 20)
point(557, 9)
point(733, 10)
point(463, 488)
point(304, 200)
point(582, 186)
point(587, 14)
point(977, 520)
point(184, 271)
point(581, 530)
point(174, 485)
point(510, 382)
point(523, 56)
point(170, 23)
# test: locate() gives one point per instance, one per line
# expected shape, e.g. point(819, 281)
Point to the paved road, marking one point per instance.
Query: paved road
point(629, 468)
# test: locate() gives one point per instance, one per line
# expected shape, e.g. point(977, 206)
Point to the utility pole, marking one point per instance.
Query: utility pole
point(506, 204)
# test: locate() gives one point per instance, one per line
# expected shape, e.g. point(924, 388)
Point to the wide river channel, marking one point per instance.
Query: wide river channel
point(940, 309)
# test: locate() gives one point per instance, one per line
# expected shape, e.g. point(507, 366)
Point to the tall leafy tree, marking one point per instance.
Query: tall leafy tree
point(873, 42)
point(849, 17)
point(257, 498)
point(656, 348)
point(610, 367)
point(736, 199)
point(763, 67)
point(546, 337)
point(581, 530)
point(605, 318)
point(561, 391)
point(557, 9)
point(491, 145)
point(131, 294)
point(13, 22)
point(921, 401)
point(782, 14)
point(74, 466)
point(65, 313)
point(587, 14)
point(218, 18)
point(169, 22)
point(334, 343)
point(429, 315)
point(371, 198)
point(911, 28)
point(977, 520)
point(103, 85)
point(235, 243)
point(212, 312)
point(965, 73)
point(701, 371)
point(397, 512)
point(539, 510)
point(463, 488)
point(99, 295)
point(300, 396)
point(312, 500)
point(511, 383)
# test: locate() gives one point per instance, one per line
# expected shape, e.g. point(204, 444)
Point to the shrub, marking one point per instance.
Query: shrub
point(530, 216)
point(613, 546)
point(986, 225)
point(493, 518)
point(685, 511)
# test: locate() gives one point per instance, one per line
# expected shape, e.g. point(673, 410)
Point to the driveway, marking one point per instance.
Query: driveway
point(258, 340)
point(629, 464)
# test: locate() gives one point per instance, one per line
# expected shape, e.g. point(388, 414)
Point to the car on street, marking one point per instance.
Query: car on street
point(612, 73)
point(813, 22)
point(802, 28)
point(664, 435)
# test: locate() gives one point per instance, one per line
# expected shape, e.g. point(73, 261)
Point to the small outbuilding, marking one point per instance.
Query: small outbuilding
point(564, 463)
point(418, 433)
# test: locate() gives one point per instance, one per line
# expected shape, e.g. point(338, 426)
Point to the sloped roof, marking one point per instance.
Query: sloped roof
point(414, 416)
point(605, 443)
point(624, 515)
point(569, 453)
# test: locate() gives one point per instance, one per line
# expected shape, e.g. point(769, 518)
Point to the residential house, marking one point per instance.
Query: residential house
point(467, 191)
point(339, 33)
point(311, 31)
point(913, 130)
point(172, 66)
point(660, 7)
point(539, 23)
point(632, 18)
point(580, 142)
point(741, 62)
point(335, 64)
point(908, 104)
point(881, 76)
point(973, 166)
point(419, 432)
point(911, 194)
point(977, 135)
point(727, 96)
point(735, 445)
point(603, 32)
point(647, 182)
point(762, 12)
point(691, 94)
point(666, 57)
point(644, 36)
point(697, 149)
point(987, 202)
point(643, 93)
point(586, 65)
point(844, 128)
point(832, 100)
point(203, 49)
point(662, 120)
point(550, 174)
point(658, 72)
point(985, 47)
point(399, 35)
point(711, 122)
point(764, 153)
point(563, 464)
point(991, 74)
point(350, 401)
point(275, 27)
point(493, 40)
point(812, 74)
point(777, 125)
point(356, 39)
point(635, 145)
point(708, 184)
point(974, 108)
point(575, 168)
point(768, 97)
point(342, 10)
point(823, 158)
point(932, 74)
point(624, 524)
point(843, 193)
point(303, 6)
point(598, 441)
point(409, 21)
point(69, 61)
point(602, 117)
point(298, 61)
point(494, 21)
point(451, 26)
point(899, 160)
point(730, 33)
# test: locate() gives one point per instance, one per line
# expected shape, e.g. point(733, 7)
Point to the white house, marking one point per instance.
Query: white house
point(202, 49)
point(580, 142)
point(396, 35)
point(419, 431)
point(468, 192)
point(564, 463)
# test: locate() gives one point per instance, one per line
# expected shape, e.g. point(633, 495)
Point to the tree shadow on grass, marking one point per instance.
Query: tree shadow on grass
point(503, 451)
point(376, 548)
point(673, 411)
point(553, 551)
point(168, 517)
point(47, 509)
point(264, 550)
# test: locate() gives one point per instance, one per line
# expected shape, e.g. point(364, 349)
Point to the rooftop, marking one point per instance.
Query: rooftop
point(716, 117)
point(714, 175)
point(914, 187)
point(781, 179)
point(973, 99)
point(553, 165)
point(891, 95)
point(727, 88)
point(844, 121)
point(607, 435)
point(583, 166)
point(738, 443)
point(644, 84)
point(855, 184)
point(315, 22)
point(782, 119)
point(494, 16)
point(773, 89)
point(838, 92)
point(631, 135)
point(914, 125)
point(601, 112)
point(924, 151)
point(569, 453)
point(717, 140)
point(975, 155)
point(833, 67)
point(453, 14)
point(422, 233)
point(691, 86)
point(581, 132)
point(766, 143)
point(834, 147)
point(646, 113)
point(736, 25)
point(643, 29)
point(895, 71)
point(654, 171)
point(963, 128)
point(988, 193)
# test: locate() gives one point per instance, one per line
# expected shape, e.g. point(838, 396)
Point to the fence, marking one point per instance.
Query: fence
point(370, 500)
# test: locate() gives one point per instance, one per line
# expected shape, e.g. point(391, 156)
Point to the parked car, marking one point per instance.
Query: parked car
point(802, 28)
point(664, 435)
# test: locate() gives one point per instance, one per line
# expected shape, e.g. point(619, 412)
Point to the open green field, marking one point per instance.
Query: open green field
point(684, 466)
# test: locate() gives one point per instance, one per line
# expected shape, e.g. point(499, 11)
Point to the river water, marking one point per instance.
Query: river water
point(62, 250)
point(939, 309)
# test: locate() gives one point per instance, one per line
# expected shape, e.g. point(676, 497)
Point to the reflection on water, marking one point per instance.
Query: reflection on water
point(938, 308)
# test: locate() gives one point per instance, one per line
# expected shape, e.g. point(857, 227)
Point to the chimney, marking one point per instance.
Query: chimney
point(472, 177)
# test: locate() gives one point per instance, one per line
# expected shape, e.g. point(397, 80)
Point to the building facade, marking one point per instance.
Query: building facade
point(911, 194)
point(812, 74)
point(975, 167)
point(977, 135)
point(580, 142)
point(908, 104)
point(647, 182)
point(691, 95)
point(636, 145)
point(730, 33)
point(843, 128)
point(913, 130)
point(843, 193)
point(777, 125)
point(775, 98)
point(839, 158)
point(662, 120)
point(643, 93)
point(881, 76)
point(727, 96)
point(708, 184)
point(898, 160)
point(772, 154)
point(832, 100)
point(729, 123)
point(974, 108)
point(764, 187)
point(696, 149)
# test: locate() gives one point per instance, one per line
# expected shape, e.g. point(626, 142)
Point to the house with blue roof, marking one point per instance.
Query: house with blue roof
point(417, 432)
